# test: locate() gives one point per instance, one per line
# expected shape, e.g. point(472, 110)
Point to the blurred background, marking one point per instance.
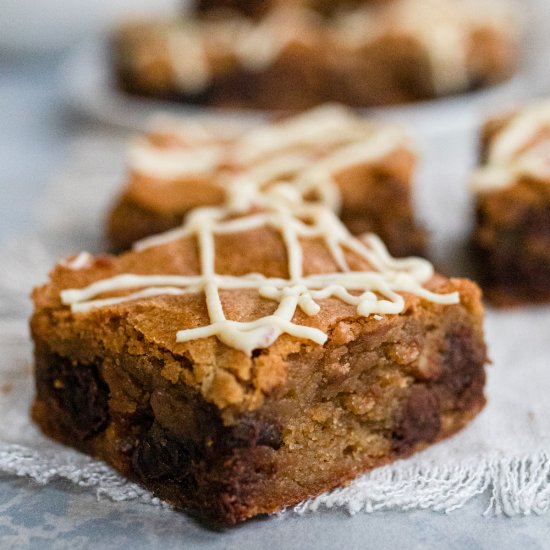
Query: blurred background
point(36, 39)
point(38, 43)
point(34, 27)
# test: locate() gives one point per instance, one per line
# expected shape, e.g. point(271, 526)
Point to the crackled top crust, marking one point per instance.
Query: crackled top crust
point(516, 150)
point(225, 375)
point(184, 163)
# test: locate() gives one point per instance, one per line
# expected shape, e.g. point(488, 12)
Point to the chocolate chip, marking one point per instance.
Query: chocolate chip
point(251, 432)
point(160, 456)
point(510, 256)
point(463, 375)
point(79, 391)
point(420, 420)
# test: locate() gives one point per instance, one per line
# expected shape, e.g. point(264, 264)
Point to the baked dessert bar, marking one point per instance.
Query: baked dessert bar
point(241, 364)
point(361, 169)
point(512, 193)
point(378, 54)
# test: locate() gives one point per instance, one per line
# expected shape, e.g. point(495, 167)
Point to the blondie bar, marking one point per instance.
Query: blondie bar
point(294, 58)
point(512, 193)
point(243, 363)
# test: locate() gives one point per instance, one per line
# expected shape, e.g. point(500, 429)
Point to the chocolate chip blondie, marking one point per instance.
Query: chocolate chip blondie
point(511, 239)
point(245, 362)
point(293, 58)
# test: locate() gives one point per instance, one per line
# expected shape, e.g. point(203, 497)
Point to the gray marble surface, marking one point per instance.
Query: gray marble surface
point(32, 136)
point(34, 131)
point(61, 517)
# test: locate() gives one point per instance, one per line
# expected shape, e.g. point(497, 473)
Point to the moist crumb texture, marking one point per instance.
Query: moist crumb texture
point(234, 383)
point(361, 169)
point(251, 54)
point(511, 241)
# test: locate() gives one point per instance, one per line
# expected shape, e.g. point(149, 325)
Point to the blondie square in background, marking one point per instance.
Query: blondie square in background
point(293, 58)
point(512, 193)
point(361, 169)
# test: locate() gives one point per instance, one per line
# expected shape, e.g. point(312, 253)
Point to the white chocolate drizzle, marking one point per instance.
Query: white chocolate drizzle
point(307, 151)
point(260, 45)
point(174, 162)
point(439, 27)
point(374, 292)
point(442, 28)
point(188, 58)
point(520, 148)
point(81, 261)
point(194, 131)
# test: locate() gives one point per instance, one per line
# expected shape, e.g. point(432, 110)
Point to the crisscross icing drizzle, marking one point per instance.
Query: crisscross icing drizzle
point(307, 151)
point(520, 148)
point(377, 291)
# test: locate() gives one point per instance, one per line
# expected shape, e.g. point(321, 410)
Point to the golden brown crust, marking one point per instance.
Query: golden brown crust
point(160, 318)
point(258, 251)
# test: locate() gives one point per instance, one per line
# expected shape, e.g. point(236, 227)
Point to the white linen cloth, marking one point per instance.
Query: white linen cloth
point(503, 456)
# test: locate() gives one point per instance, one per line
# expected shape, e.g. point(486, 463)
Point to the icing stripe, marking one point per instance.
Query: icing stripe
point(379, 290)
point(520, 148)
point(306, 151)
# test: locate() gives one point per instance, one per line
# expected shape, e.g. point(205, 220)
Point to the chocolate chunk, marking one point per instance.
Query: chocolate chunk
point(462, 375)
point(420, 420)
point(251, 432)
point(79, 391)
point(509, 247)
point(160, 456)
